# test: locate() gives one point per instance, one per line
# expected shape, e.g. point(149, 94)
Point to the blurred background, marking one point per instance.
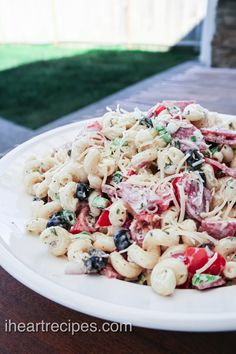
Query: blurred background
point(57, 56)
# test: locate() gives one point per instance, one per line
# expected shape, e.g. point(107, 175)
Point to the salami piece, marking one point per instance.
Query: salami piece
point(189, 138)
point(219, 136)
point(219, 228)
point(180, 104)
point(95, 125)
point(141, 224)
point(197, 197)
point(111, 273)
point(222, 132)
point(140, 198)
point(197, 201)
point(221, 166)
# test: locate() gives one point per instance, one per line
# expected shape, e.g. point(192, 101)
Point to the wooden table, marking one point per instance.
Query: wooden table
point(19, 304)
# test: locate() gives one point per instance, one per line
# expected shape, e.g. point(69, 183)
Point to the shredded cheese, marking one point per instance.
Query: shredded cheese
point(199, 162)
point(213, 212)
point(176, 204)
point(182, 162)
point(229, 207)
point(182, 203)
point(201, 237)
point(208, 264)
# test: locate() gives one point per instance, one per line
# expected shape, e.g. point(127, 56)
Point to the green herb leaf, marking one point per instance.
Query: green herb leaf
point(117, 177)
point(166, 137)
point(204, 279)
point(177, 144)
point(100, 202)
point(69, 217)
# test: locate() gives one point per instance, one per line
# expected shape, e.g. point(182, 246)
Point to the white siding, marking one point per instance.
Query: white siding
point(129, 22)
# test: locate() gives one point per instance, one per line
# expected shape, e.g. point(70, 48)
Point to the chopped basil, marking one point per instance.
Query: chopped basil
point(207, 153)
point(193, 138)
point(77, 236)
point(100, 202)
point(116, 141)
point(195, 159)
point(214, 148)
point(162, 131)
point(168, 164)
point(54, 231)
point(158, 126)
point(166, 137)
point(229, 181)
point(69, 217)
point(204, 279)
point(177, 144)
point(146, 121)
point(57, 197)
point(142, 279)
point(117, 178)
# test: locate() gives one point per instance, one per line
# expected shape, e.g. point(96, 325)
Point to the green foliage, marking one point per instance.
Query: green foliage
point(49, 82)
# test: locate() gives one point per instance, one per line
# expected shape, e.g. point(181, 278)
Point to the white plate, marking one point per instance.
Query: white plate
point(27, 259)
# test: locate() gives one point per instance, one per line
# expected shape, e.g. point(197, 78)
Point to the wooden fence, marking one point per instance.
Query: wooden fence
point(102, 22)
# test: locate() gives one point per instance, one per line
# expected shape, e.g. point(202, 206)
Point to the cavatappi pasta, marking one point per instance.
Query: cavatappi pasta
point(148, 197)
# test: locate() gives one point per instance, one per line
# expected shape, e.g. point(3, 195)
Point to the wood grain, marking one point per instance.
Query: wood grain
point(21, 304)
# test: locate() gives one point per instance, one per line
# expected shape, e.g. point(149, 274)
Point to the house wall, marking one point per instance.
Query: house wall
point(224, 41)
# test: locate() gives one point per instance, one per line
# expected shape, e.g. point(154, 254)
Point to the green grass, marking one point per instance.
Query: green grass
point(12, 55)
point(41, 83)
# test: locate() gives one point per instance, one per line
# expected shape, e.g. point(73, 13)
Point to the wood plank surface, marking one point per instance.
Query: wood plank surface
point(20, 304)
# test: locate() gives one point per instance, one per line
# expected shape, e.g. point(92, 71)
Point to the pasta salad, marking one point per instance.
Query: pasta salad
point(147, 197)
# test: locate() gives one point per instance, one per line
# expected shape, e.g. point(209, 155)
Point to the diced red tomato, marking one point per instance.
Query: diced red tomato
point(103, 220)
point(217, 267)
point(82, 222)
point(131, 173)
point(196, 258)
point(155, 111)
point(159, 109)
point(176, 180)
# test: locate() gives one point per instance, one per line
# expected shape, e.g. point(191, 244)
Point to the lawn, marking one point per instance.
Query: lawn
point(39, 84)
